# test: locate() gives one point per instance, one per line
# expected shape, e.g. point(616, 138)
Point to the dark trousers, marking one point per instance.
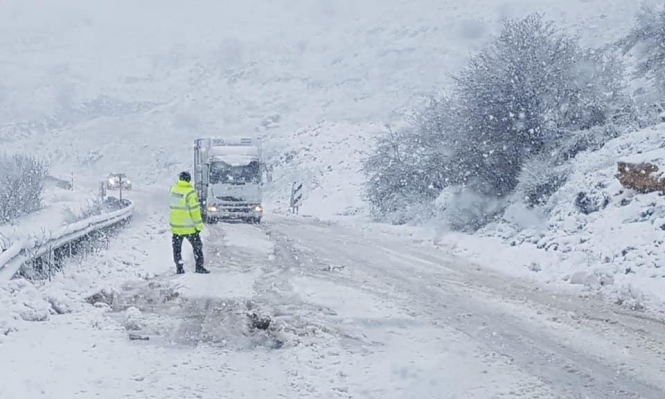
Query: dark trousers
point(195, 240)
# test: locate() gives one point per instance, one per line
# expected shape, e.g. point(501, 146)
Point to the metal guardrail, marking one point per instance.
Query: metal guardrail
point(24, 251)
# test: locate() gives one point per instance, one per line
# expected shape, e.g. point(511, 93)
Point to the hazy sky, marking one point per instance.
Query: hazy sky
point(174, 67)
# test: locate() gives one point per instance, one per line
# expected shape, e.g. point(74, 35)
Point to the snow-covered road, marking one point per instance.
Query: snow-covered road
point(555, 345)
point(354, 315)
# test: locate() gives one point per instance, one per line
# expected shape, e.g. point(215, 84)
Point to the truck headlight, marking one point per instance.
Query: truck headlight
point(258, 208)
point(212, 208)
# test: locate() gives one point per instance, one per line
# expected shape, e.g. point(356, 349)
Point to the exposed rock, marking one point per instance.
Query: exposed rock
point(137, 337)
point(589, 203)
point(108, 297)
point(641, 177)
point(258, 322)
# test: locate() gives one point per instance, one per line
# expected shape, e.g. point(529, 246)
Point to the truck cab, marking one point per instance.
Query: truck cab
point(229, 179)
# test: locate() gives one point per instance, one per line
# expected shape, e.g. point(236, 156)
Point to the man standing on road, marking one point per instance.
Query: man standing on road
point(186, 222)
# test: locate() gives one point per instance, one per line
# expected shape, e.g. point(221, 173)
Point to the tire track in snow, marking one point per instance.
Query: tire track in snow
point(476, 312)
point(312, 341)
point(310, 263)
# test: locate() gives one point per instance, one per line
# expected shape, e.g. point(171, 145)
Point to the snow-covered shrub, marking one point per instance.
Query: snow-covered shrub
point(435, 135)
point(462, 209)
point(586, 140)
point(394, 180)
point(602, 75)
point(542, 175)
point(411, 166)
point(646, 39)
point(539, 178)
point(531, 94)
point(21, 185)
point(523, 92)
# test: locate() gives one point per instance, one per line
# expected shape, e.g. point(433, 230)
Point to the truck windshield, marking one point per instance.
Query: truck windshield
point(221, 172)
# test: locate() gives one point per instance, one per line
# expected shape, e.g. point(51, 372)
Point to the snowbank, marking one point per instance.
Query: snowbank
point(21, 302)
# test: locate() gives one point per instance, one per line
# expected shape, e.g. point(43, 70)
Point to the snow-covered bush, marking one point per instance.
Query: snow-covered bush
point(602, 75)
point(525, 105)
point(523, 93)
point(586, 140)
point(462, 209)
point(542, 175)
point(394, 181)
point(436, 133)
point(21, 185)
point(646, 39)
point(411, 166)
point(539, 178)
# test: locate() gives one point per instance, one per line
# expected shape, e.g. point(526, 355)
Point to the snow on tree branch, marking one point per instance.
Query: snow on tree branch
point(21, 185)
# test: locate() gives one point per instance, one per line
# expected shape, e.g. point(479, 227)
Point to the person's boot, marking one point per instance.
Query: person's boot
point(179, 269)
point(202, 270)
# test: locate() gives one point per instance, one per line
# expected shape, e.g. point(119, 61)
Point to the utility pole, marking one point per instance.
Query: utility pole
point(120, 185)
point(102, 190)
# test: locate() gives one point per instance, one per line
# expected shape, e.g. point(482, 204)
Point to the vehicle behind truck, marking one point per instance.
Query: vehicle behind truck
point(228, 178)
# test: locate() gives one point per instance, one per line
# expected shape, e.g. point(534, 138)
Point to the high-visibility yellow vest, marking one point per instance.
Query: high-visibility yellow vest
point(185, 216)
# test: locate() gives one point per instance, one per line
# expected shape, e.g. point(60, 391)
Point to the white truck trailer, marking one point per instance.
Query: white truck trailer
point(228, 178)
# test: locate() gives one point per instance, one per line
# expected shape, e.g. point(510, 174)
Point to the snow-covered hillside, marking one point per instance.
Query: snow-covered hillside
point(618, 244)
point(107, 85)
point(615, 247)
point(125, 86)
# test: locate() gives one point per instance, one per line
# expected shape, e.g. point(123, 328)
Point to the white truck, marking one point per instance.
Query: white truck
point(228, 178)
